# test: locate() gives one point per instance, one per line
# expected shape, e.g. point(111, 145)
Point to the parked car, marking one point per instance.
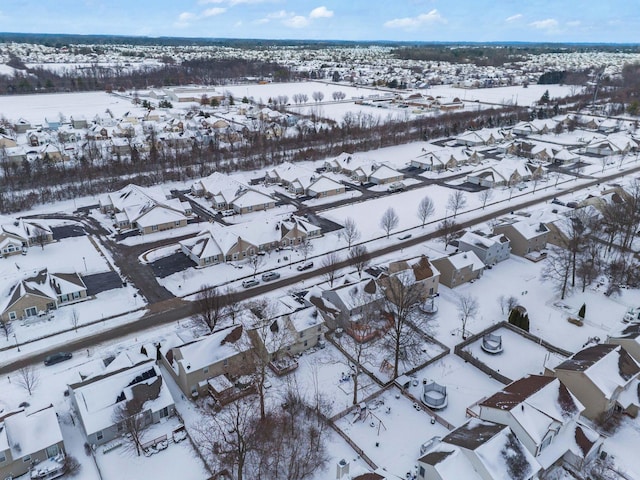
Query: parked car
point(405, 236)
point(396, 187)
point(266, 277)
point(57, 358)
point(252, 282)
point(305, 266)
point(227, 213)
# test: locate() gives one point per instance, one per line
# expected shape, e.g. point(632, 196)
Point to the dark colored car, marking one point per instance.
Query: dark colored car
point(266, 277)
point(57, 358)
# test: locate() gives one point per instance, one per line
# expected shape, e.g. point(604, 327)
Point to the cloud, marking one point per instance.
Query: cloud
point(296, 21)
point(574, 23)
point(321, 12)
point(184, 19)
point(546, 24)
point(293, 20)
point(414, 22)
point(211, 12)
point(513, 18)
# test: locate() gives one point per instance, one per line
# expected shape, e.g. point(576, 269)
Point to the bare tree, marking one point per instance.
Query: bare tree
point(360, 258)
point(228, 437)
point(210, 307)
point(75, 319)
point(467, 308)
point(28, 378)
point(448, 227)
point(557, 268)
point(485, 196)
point(7, 328)
point(401, 297)
point(331, 262)
point(350, 232)
point(269, 335)
point(507, 303)
point(256, 261)
point(456, 202)
point(305, 247)
point(425, 209)
point(317, 96)
point(131, 420)
point(589, 265)
point(389, 220)
point(293, 440)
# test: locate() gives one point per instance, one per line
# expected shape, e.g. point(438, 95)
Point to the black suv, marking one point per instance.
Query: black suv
point(57, 358)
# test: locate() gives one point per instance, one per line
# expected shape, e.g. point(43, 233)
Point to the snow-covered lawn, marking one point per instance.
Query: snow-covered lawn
point(520, 356)
point(74, 254)
point(465, 386)
point(391, 432)
point(35, 108)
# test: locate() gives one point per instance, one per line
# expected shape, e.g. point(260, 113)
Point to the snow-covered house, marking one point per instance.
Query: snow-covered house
point(252, 201)
point(437, 158)
point(18, 233)
point(324, 187)
point(459, 268)
point(545, 417)
point(218, 244)
point(148, 210)
point(347, 163)
point(506, 173)
point(524, 236)
point(194, 363)
point(100, 400)
point(564, 156)
point(30, 440)
point(478, 450)
point(616, 144)
point(353, 303)
point(418, 271)
point(604, 378)
point(288, 334)
point(490, 250)
point(628, 337)
point(41, 292)
point(476, 138)
point(384, 174)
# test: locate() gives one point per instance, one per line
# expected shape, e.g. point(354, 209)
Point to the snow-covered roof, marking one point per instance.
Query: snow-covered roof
point(250, 198)
point(324, 184)
point(609, 367)
point(465, 259)
point(98, 397)
point(211, 349)
point(27, 432)
point(384, 172)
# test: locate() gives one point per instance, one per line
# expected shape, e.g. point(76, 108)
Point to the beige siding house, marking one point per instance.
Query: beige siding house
point(42, 292)
point(193, 364)
point(604, 378)
point(460, 268)
point(30, 441)
point(525, 237)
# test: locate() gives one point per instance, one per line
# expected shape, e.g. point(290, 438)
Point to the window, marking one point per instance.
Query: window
point(301, 334)
point(26, 458)
point(177, 224)
point(306, 342)
point(422, 472)
point(76, 295)
point(205, 370)
point(226, 362)
point(319, 328)
point(99, 435)
point(52, 451)
point(154, 228)
point(164, 412)
point(12, 315)
point(31, 311)
point(3, 458)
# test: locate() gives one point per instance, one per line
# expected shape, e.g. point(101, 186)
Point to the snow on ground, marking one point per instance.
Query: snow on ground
point(465, 386)
point(520, 356)
point(35, 109)
point(391, 431)
point(86, 259)
point(623, 445)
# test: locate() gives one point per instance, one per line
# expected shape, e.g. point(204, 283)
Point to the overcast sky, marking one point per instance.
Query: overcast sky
point(411, 20)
